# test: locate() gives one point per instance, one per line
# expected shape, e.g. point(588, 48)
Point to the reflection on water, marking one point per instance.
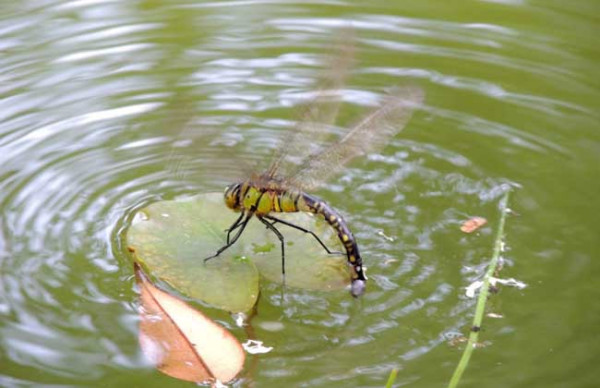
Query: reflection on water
point(108, 106)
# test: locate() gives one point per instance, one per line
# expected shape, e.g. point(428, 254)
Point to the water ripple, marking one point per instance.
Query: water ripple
point(107, 106)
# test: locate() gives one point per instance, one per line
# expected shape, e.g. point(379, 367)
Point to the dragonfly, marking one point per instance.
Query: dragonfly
point(284, 187)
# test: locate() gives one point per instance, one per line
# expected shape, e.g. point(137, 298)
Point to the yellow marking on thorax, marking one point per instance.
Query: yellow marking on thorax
point(344, 237)
point(266, 205)
point(261, 202)
point(277, 203)
point(251, 198)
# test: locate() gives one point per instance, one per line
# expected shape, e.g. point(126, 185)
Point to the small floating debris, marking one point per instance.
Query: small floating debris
point(473, 224)
point(256, 347)
point(512, 282)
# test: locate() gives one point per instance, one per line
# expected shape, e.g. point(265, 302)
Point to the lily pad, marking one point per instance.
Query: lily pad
point(307, 264)
point(172, 238)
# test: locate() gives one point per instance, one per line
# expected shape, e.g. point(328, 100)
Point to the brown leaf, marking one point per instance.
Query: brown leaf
point(473, 224)
point(181, 341)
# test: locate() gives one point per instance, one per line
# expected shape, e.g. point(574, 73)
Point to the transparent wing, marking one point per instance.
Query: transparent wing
point(318, 114)
point(193, 149)
point(371, 134)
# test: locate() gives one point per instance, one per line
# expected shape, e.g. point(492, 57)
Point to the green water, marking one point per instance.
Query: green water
point(108, 106)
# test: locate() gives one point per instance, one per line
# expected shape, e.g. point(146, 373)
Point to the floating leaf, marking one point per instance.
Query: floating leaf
point(307, 264)
point(473, 224)
point(172, 238)
point(181, 341)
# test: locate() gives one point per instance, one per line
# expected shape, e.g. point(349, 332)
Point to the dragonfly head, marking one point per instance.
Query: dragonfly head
point(232, 196)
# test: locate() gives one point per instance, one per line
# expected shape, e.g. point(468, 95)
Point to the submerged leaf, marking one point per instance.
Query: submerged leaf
point(181, 341)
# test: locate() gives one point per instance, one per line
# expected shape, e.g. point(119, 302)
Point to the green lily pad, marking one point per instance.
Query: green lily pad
point(172, 238)
point(307, 264)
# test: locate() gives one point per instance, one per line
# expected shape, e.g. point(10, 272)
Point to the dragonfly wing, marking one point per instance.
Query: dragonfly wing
point(190, 154)
point(319, 113)
point(371, 134)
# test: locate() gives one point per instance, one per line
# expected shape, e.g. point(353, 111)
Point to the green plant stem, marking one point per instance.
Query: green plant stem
point(392, 378)
point(483, 294)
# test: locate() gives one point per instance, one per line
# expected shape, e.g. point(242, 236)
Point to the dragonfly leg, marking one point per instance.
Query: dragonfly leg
point(242, 226)
point(234, 226)
point(281, 240)
point(276, 220)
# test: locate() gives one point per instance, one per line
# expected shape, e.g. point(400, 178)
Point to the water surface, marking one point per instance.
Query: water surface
point(108, 106)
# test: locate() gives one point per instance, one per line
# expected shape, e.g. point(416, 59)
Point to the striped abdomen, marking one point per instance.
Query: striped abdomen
point(308, 203)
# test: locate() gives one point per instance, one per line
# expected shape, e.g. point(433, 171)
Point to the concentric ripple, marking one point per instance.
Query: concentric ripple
point(108, 106)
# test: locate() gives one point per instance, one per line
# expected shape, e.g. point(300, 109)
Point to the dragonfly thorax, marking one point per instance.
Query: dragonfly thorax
point(263, 198)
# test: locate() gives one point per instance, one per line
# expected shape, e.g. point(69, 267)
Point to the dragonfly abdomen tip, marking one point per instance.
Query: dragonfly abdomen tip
point(357, 288)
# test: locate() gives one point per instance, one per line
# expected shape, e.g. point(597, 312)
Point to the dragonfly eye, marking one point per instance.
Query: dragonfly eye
point(232, 196)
